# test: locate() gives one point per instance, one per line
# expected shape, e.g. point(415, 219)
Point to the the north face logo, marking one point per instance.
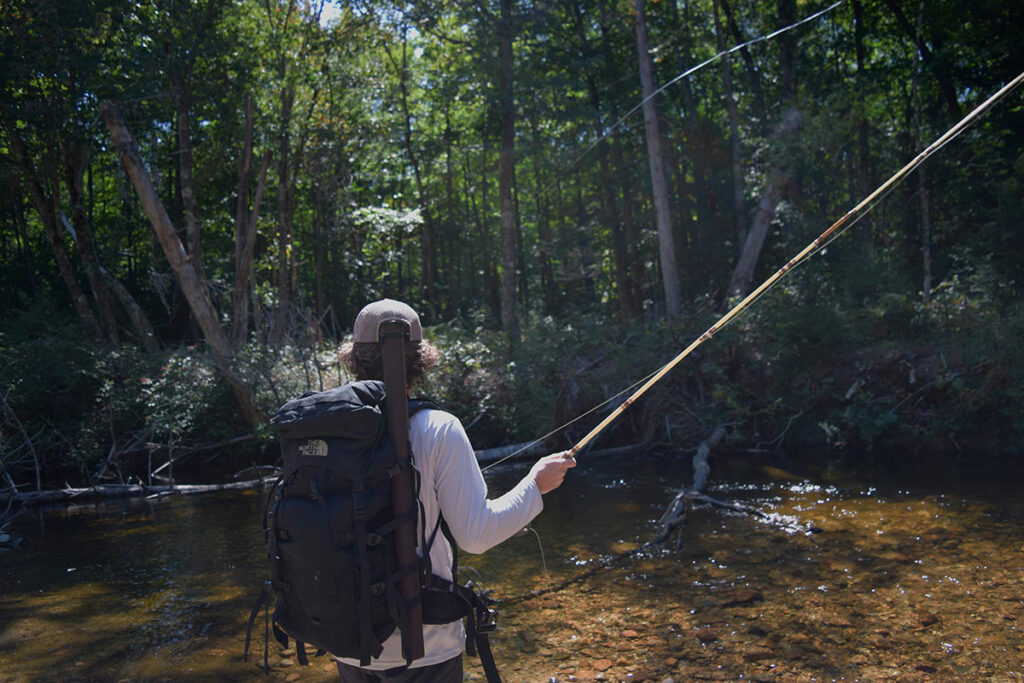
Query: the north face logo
point(313, 447)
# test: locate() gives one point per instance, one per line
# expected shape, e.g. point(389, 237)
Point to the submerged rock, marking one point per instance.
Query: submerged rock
point(9, 541)
point(707, 635)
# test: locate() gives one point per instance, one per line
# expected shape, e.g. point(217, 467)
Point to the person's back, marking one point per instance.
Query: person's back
point(452, 488)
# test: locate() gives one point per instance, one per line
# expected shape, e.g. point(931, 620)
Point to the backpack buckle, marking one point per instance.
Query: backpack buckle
point(359, 504)
point(486, 620)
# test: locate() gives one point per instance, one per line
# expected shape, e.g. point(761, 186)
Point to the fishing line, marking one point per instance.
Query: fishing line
point(640, 381)
point(571, 422)
point(848, 220)
point(543, 562)
point(695, 69)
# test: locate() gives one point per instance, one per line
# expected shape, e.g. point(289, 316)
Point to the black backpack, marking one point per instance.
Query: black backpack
point(328, 529)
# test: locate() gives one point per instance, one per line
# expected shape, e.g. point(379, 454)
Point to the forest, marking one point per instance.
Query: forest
point(197, 197)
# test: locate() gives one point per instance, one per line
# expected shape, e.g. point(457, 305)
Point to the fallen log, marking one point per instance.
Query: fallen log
point(69, 493)
point(489, 455)
point(675, 513)
point(529, 449)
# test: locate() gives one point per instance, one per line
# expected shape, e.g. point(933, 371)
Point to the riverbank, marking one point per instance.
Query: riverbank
point(894, 384)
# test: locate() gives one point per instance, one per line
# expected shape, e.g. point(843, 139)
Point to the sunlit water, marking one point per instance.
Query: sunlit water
point(908, 583)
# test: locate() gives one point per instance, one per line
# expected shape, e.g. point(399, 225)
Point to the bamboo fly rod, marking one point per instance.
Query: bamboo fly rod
point(807, 251)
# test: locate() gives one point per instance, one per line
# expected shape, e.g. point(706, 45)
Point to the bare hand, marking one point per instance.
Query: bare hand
point(549, 471)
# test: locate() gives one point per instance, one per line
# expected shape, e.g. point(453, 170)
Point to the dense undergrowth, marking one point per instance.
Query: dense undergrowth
point(887, 379)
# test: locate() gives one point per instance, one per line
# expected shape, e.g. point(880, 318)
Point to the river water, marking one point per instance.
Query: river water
point(896, 582)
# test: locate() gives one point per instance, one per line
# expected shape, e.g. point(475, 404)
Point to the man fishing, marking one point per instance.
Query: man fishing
point(451, 487)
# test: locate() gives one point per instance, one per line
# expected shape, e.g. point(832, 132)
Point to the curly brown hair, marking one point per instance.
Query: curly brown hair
point(365, 361)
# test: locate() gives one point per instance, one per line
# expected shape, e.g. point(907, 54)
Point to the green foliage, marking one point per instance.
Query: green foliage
point(383, 127)
point(183, 397)
point(45, 362)
point(118, 408)
point(471, 380)
point(279, 374)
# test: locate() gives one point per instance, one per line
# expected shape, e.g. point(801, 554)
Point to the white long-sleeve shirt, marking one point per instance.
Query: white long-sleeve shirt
point(451, 484)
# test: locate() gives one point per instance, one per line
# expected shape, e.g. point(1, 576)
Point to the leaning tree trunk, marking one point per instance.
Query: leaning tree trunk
point(74, 165)
point(104, 284)
point(744, 272)
point(779, 176)
point(47, 207)
point(194, 289)
point(778, 181)
point(666, 242)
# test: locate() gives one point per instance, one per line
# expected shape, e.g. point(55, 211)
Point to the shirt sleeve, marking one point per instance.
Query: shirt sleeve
point(477, 523)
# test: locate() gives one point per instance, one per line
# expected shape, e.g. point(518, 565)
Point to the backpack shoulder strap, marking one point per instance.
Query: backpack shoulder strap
point(418, 404)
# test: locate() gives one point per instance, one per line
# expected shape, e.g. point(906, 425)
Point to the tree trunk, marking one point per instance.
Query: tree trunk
point(787, 50)
point(739, 218)
point(74, 171)
point(240, 289)
point(606, 192)
point(937, 66)
point(183, 105)
point(748, 61)
point(324, 191)
point(22, 241)
point(284, 215)
point(103, 281)
point(744, 271)
point(695, 200)
point(544, 233)
point(666, 242)
point(637, 275)
point(922, 181)
point(453, 298)
point(48, 209)
point(471, 248)
point(245, 242)
point(194, 289)
point(492, 284)
point(863, 157)
point(778, 180)
point(506, 176)
point(428, 257)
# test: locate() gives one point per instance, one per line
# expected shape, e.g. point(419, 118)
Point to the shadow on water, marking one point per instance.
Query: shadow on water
point(911, 583)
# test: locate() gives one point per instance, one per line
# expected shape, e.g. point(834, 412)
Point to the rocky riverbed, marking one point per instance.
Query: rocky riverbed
point(897, 585)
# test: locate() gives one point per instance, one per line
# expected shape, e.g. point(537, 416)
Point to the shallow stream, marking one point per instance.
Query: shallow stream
point(920, 582)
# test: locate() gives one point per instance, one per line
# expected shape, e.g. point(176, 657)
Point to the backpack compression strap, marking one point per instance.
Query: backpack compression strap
point(393, 334)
